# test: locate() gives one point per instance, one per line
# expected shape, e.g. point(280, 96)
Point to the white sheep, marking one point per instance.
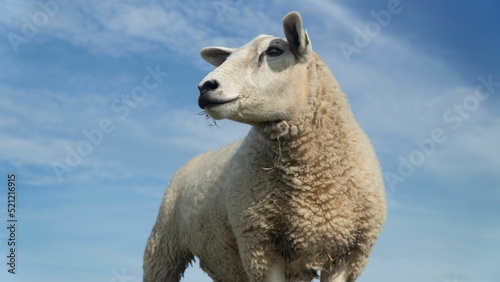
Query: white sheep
point(301, 193)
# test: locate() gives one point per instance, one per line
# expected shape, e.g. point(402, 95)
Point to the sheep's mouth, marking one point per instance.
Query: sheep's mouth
point(205, 103)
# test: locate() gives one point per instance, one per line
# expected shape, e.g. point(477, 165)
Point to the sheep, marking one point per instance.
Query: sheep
point(302, 193)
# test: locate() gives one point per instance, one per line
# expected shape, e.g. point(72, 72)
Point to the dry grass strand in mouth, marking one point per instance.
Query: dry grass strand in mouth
point(210, 121)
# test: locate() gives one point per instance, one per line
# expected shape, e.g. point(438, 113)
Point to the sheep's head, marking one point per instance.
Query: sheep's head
point(265, 80)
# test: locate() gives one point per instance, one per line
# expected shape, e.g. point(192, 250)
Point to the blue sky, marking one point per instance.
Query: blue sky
point(424, 83)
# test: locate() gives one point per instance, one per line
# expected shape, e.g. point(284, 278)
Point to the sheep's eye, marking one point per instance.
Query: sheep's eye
point(274, 51)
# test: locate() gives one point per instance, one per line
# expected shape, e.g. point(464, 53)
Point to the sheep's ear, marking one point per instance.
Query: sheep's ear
point(216, 55)
point(296, 36)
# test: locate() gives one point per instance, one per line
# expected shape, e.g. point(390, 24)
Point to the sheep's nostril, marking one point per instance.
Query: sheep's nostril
point(208, 85)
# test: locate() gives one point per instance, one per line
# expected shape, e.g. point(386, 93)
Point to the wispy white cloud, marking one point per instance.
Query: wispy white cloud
point(53, 129)
point(117, 28)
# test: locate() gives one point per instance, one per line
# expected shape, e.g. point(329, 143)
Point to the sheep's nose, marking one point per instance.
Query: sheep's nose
point(208, 85)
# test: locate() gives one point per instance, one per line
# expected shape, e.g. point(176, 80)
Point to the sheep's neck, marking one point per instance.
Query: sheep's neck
point(318, 155)
point(320, 149)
